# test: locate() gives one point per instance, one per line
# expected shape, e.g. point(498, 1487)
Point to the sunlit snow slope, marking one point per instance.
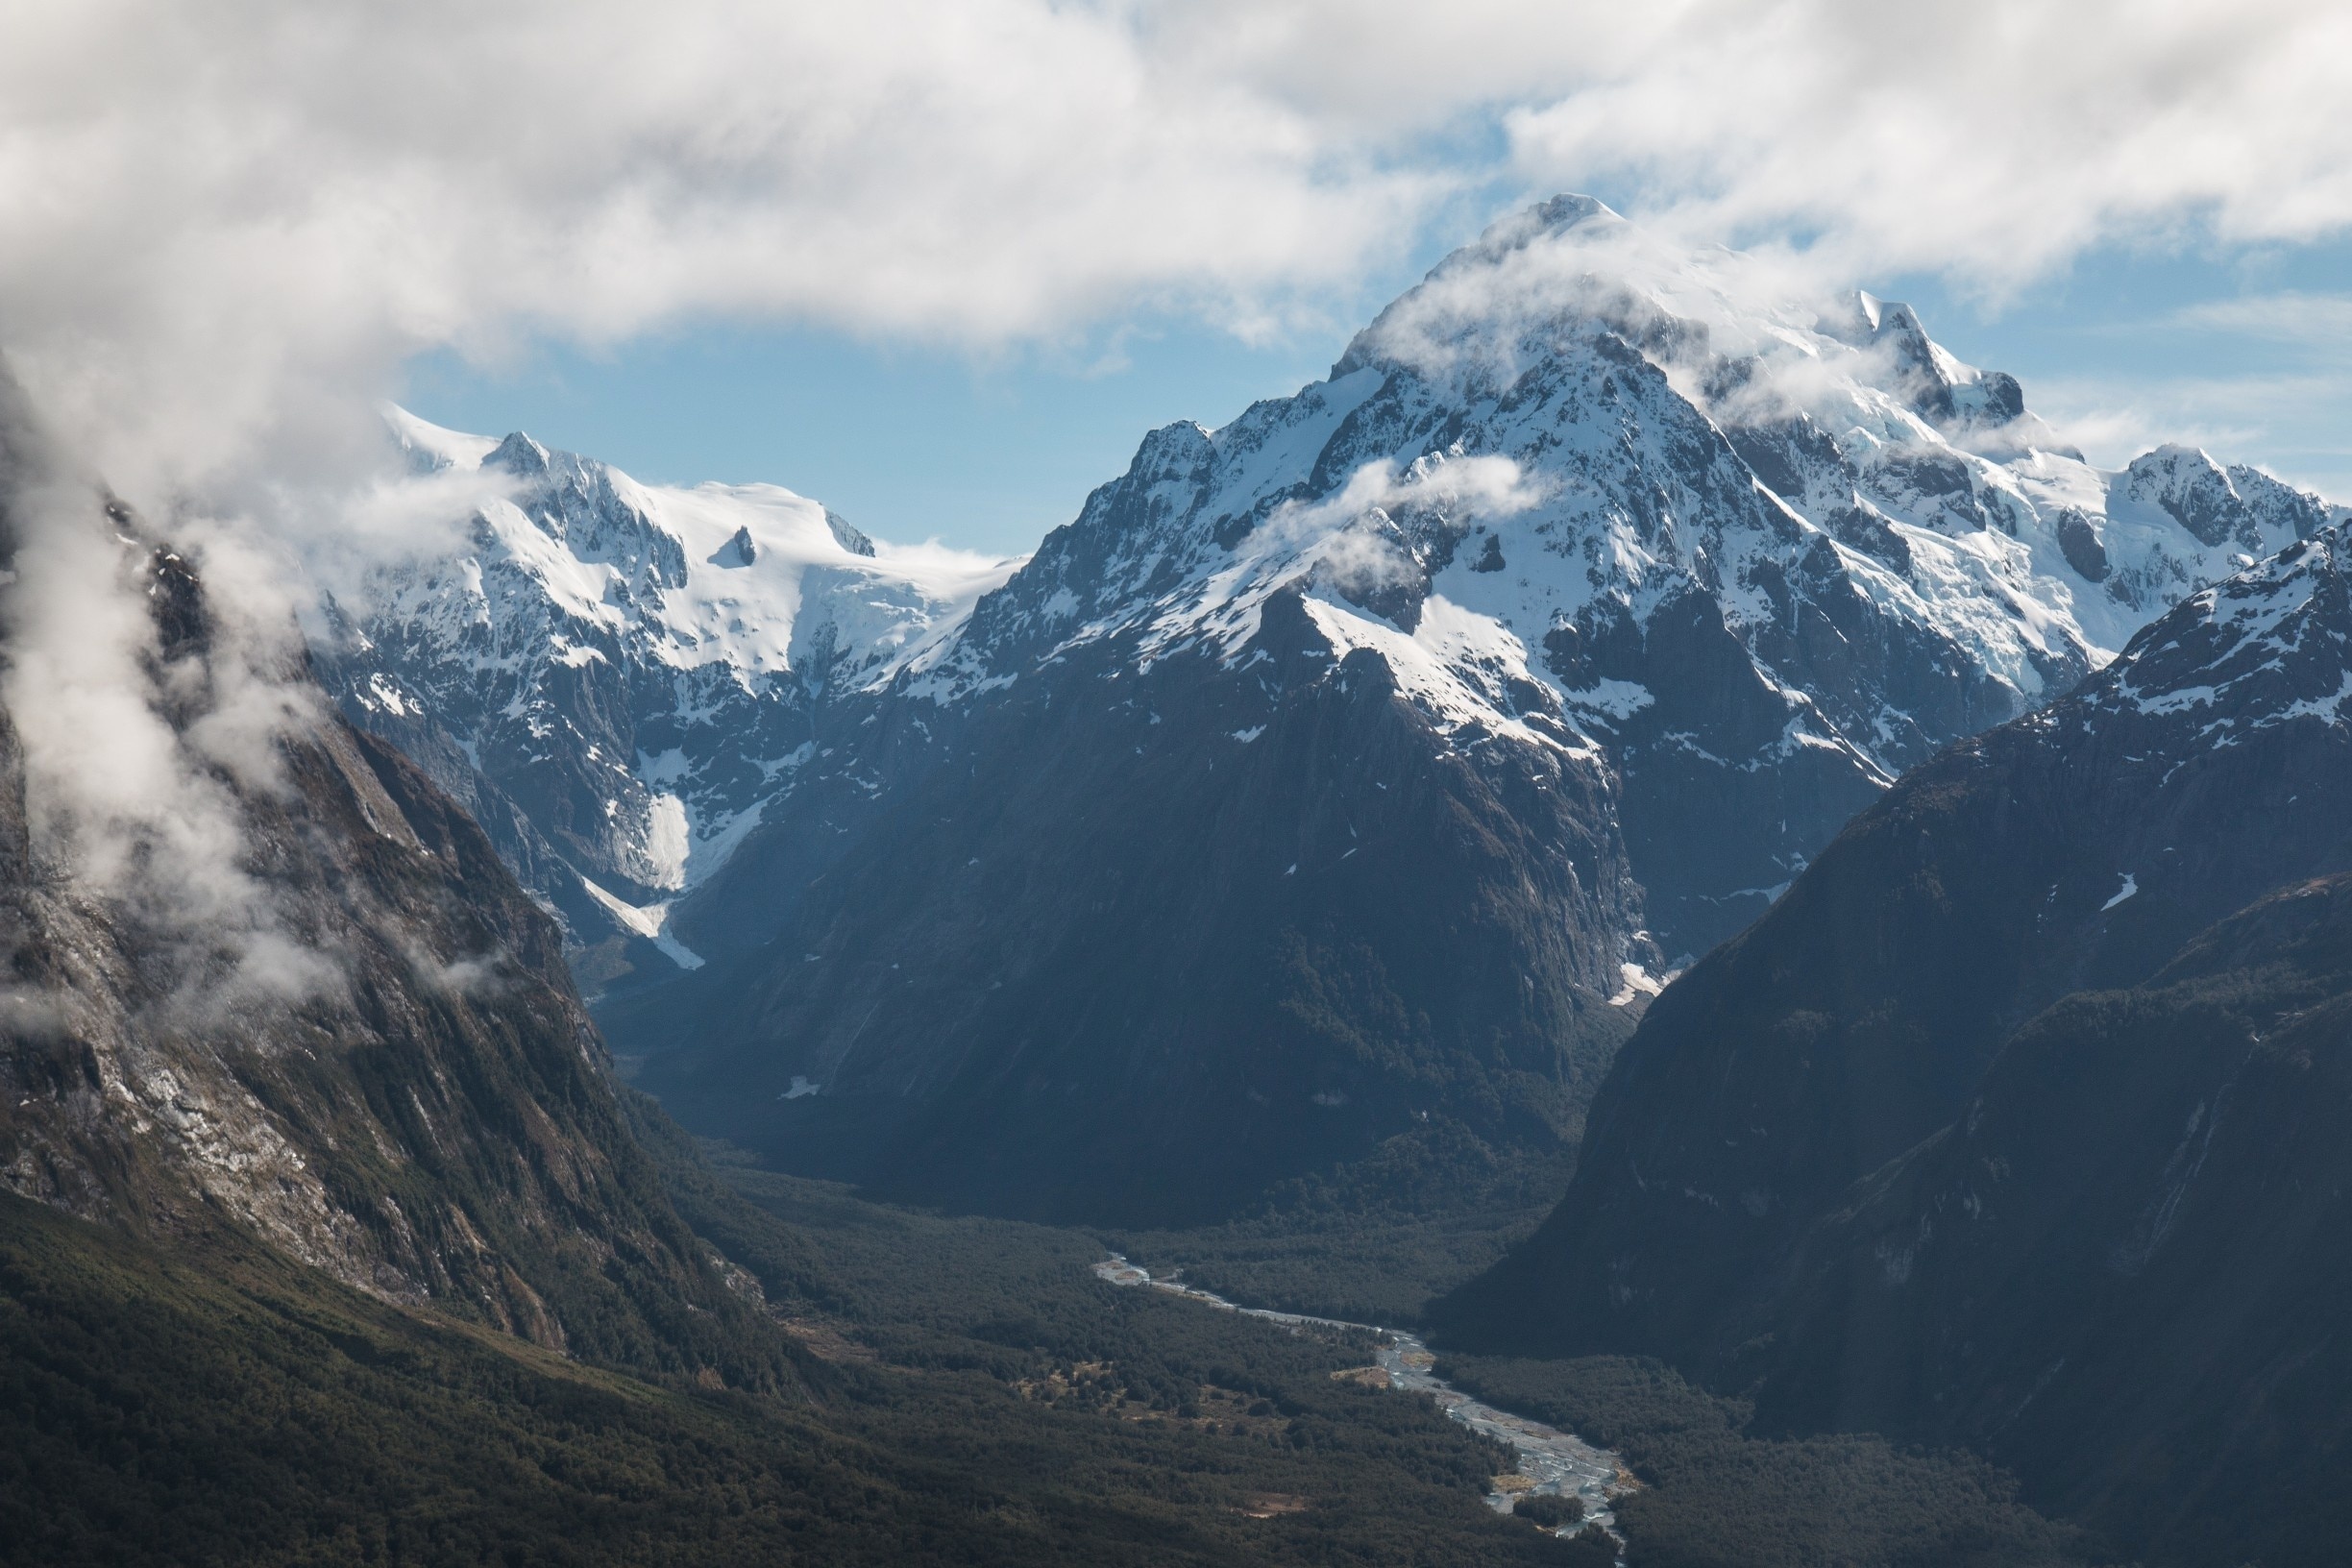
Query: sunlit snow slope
point(1577, 490)
point(616, 676)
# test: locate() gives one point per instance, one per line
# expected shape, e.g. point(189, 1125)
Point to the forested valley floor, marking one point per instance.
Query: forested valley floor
point(966, 1391)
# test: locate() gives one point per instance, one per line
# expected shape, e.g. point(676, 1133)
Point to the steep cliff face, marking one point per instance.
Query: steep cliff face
point(2020, 1121)
point(341, 1026)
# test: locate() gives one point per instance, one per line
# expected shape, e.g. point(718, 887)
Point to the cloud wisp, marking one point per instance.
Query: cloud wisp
point(133, 752)
point(2317, 324)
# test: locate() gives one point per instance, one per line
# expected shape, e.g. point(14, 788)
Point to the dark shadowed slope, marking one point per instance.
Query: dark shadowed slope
point(2022, 1119)
point(1168, 968)
point(357, 1041)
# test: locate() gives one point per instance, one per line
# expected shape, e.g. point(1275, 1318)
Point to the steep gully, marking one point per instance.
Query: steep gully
point(1552, 1463)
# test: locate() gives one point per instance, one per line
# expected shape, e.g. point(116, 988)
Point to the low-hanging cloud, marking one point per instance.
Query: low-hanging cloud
point(1353, 538)
point(133, 755)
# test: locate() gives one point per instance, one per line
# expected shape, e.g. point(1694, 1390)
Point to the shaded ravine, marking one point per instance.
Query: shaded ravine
point(1551, 1462)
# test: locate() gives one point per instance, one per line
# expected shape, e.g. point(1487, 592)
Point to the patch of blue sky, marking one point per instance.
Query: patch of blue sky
point(2246, 351)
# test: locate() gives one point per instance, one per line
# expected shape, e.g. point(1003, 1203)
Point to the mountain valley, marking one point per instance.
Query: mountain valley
point(1723, 761)
point(1156, 784)
point(331, 1237)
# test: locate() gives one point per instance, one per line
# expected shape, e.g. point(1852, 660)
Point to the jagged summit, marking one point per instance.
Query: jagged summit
point(2237, 505)
point(614, 675)
point(1568, 428)
point(1587, 217)
point(2269, 645)
point(518, 454)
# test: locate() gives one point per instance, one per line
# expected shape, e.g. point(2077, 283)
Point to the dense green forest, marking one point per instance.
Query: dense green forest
point(1373, 1241)
point(965, 1391)
point(1716, 1495)
point(932, 1389)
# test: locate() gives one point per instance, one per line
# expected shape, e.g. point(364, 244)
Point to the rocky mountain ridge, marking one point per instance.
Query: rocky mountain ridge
point(614, 678)
point(1665, 582)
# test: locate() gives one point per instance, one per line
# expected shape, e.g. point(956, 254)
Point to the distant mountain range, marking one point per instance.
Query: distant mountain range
point(1369, 760)
point(616, 678)
point(2024, 1120)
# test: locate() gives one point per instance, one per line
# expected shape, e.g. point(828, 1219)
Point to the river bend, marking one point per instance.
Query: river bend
point(1550, 1462)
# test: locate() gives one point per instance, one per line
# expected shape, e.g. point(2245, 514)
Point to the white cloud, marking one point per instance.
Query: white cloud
point(1993, 138)
point(222, 227)
point(1459, 488)
point(137, 811)
point(1989, 141)
point(206, 213)
point(2293, 417)
point(1352, 537)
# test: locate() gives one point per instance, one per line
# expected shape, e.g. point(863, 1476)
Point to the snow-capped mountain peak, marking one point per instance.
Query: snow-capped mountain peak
point(2270, 645)
point(1327, 770)
point(1897, 550)
point(615, 675)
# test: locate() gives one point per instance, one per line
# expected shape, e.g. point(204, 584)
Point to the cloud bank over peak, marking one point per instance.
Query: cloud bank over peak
point(223, 229)
point(244, 198)
point(1990, 142)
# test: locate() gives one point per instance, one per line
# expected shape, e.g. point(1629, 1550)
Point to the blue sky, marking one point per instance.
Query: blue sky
point(2219, 346)
point(909, 442)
